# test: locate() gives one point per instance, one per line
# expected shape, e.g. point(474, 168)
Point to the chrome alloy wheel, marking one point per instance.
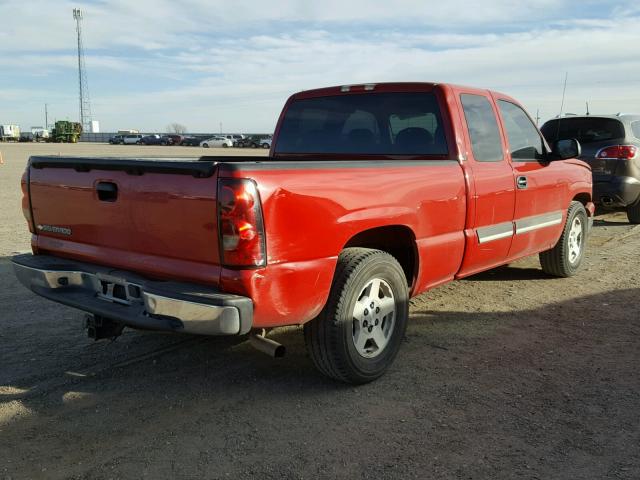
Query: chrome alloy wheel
point(373, 318)
point(575, 240)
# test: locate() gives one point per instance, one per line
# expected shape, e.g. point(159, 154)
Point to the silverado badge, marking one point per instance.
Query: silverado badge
point(54, 229)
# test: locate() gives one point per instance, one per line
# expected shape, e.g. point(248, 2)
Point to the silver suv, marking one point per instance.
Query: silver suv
point(611, 146)
point(132, 139)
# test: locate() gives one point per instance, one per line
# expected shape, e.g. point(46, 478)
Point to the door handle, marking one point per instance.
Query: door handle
point(521, 181)
point(107, 191)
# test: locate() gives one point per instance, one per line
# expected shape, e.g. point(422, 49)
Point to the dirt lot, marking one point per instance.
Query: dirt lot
point(508, 374)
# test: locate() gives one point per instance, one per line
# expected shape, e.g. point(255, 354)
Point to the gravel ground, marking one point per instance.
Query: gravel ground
point(507, 374)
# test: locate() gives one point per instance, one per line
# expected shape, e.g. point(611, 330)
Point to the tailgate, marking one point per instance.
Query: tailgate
point(155, 217)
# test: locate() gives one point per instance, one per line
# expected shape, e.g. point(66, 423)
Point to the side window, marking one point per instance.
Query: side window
point(635, 127)
point(525, 143)
point(483, 128)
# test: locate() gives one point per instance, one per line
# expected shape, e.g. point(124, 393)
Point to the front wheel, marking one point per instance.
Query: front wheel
point(205, 145)
point(633, 213)
point(358, 334)
point(564, 259)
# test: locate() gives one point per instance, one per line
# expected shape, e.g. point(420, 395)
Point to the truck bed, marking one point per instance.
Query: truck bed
point(163, 222)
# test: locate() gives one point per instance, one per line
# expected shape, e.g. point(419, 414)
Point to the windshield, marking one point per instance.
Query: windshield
point(370, 123)
point(585, 130)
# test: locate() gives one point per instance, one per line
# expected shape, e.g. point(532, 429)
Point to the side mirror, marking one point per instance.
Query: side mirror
point(566, 149)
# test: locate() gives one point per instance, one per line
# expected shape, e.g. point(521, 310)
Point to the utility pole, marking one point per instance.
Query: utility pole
point(220, 127)
point(537, 117)
point(46, 117)
point(587, 107)
point(84, 102)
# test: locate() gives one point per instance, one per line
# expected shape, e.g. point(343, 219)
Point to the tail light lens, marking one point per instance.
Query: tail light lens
point(622, 152)
point(242, 240)
point(26, 201)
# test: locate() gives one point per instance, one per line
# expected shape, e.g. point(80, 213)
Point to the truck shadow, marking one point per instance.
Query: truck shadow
point(154, 390)
point(152, 364)
point(509, 273)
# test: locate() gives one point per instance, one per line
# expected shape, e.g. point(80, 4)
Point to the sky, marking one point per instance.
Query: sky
point(208, 63)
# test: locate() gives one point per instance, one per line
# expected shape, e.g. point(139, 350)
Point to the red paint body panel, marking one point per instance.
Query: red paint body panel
point(306, 228)
point(160, 225)
point(165, 226)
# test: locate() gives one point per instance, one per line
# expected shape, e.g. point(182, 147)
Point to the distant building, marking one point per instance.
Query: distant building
point(95, 126)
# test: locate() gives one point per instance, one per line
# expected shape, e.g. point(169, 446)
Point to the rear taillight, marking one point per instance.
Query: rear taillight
point(242, 242)
point(621, 152)
point(26, 201)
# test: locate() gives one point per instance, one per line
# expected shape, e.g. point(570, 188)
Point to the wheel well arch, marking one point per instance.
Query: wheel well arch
point(583, 198)
point(397, 240)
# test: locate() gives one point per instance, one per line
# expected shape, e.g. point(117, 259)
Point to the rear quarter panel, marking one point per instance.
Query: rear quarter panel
point(311, 212)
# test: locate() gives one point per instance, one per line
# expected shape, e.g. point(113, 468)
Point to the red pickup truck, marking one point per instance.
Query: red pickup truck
point(371, 194)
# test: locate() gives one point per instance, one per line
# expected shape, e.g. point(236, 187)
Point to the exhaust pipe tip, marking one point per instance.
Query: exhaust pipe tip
point(268, 346)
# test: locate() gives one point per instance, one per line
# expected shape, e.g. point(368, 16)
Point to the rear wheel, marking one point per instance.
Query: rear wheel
point(359, 332)
point(564, 259)
point(633, 213)
point(224, 145)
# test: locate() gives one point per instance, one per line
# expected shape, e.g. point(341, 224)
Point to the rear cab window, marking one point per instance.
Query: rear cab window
point(386, 123)
point(585, 130)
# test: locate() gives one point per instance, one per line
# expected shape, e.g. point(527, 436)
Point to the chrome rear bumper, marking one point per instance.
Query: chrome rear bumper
point(133, 300)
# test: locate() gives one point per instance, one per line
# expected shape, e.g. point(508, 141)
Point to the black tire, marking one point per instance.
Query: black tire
point(330, 336)
point(562, 260)
point(224, 145)
point(205, 145)
point(633, 213)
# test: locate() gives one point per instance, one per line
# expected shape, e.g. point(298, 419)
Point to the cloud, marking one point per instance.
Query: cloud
point(200, 63)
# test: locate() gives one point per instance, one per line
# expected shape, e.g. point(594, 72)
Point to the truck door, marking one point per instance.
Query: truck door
point(490, 232)
point(541, 188)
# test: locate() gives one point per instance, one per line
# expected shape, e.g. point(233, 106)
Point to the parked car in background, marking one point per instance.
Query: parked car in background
point(234, 137)
point(117, 140)
point(611, 146)
point(191, 141)
point(156, 140)
point(174, 138)
point(132, 139)
point(265, 142)
point(217, 142)
point(252, 141)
